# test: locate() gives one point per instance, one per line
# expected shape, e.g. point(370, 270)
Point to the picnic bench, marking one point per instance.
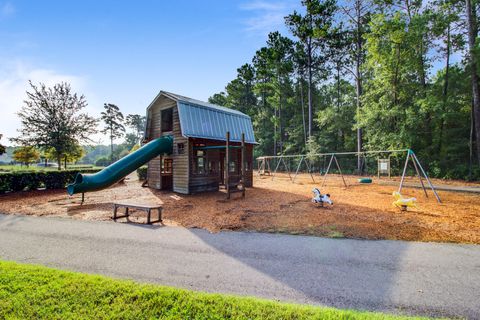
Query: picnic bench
point(147, 207)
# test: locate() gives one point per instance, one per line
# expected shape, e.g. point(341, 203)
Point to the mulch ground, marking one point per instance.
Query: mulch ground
point(362, 211)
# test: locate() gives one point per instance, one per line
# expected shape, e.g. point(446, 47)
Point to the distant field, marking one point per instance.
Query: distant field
point(11, 168)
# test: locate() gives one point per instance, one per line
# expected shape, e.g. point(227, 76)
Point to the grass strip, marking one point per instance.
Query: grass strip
point(37, 292)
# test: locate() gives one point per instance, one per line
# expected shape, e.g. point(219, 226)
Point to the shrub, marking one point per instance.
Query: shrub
point(142, 173)
point(102, 162)
point(19, 181)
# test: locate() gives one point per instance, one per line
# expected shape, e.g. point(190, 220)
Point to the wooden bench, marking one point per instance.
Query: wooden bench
point(147, 207)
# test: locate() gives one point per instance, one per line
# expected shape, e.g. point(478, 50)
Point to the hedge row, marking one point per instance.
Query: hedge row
point(142, 173)
point(29, 180)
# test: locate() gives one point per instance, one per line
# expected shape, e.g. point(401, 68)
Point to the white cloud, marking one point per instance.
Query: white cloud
point(14, 76)
point(267, 16)
point(6, 9)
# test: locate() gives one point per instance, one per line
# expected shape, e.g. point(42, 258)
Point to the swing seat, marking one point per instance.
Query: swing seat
point(365, 180)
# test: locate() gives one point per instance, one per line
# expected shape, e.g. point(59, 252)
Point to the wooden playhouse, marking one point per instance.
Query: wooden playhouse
point(207, 145)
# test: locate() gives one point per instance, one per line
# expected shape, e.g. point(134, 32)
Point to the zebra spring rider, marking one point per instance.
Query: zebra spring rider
point(321, 198)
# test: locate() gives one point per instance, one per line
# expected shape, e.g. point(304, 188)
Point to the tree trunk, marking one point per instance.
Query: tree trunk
point(358, 80)
point(474, 76)
point(310, 79)
point(303, 113)
point(59, 162)
point(280, 112)
point(111, 149)
point(275, 130)
point(470, 144)
point(444, 92)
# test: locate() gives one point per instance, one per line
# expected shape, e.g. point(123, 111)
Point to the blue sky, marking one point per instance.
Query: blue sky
point(124, 52)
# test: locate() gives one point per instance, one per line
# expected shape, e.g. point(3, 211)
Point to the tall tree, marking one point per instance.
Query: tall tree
point(264, 118)
point(52, 118)
point(219, 99)
point(312, 29)
point(2, 147)
point(137, 123)
point(113, 118)
point(240, 90)
point(445, 18)
point(474, 78)
point(358, 13)
point(281, 51)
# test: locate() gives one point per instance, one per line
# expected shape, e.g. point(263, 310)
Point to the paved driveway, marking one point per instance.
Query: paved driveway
point(390, 276)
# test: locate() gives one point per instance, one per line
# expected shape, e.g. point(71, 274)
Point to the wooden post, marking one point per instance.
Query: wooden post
point(161, 173)
point(259, 165)
point(243, 164)
point(227, 166)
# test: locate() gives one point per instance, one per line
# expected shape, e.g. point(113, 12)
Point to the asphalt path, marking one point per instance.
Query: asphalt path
point(399, 277)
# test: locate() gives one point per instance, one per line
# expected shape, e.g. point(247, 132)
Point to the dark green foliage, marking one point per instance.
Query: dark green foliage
point(113, 118)
point(368, 75)
point(25, 180)
point(2, 147)
point(137, 123)
point(142, 173)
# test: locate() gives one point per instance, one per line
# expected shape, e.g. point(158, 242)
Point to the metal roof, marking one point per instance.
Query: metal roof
point(199, 119)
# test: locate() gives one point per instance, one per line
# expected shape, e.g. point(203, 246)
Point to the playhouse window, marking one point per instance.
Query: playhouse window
point(167, 166)
point(200, 161)
point(232, 167)
point(181, 148)
point(167, 120)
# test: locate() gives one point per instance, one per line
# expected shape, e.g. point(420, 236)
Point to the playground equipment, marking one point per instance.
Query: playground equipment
point(321, 198)
point(309, 159)
point(403, 203)
point(121, 168)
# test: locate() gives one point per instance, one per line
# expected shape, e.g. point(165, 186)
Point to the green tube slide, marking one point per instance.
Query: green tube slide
point(120, 169)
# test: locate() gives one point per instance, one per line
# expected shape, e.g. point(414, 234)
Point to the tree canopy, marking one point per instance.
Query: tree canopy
point(52, 118)
point(2, 147)
point(113, 119)
point(26, 155)
point(367, 75)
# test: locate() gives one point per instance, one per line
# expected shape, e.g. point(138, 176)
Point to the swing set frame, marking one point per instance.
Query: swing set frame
point(264, 168)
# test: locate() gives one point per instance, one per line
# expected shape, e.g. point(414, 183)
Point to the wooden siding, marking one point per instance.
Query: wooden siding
point(180, 161)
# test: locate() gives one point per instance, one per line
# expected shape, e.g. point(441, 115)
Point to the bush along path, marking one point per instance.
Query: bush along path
point(30, 180)
point(35, 292)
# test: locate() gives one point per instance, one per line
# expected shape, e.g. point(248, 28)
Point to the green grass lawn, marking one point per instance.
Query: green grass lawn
point(35, 292)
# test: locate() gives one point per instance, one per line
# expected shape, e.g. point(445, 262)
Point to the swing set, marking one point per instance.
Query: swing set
point(264, 166)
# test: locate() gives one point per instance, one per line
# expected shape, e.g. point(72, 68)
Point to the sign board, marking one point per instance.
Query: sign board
point(383, 167)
